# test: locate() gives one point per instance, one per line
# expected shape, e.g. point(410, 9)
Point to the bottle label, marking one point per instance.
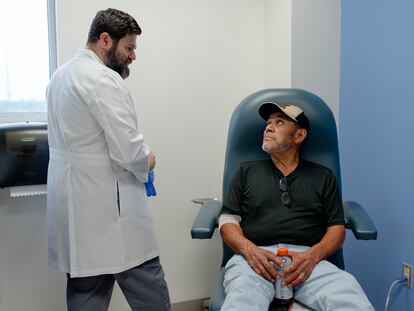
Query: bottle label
point(283, 292)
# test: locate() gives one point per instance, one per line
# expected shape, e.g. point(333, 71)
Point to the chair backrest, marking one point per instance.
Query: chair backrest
point(246, 133)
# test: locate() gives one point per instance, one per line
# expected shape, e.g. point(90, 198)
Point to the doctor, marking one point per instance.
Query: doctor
point(99, 223)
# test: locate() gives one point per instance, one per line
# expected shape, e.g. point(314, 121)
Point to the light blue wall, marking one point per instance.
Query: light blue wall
point(377, 139)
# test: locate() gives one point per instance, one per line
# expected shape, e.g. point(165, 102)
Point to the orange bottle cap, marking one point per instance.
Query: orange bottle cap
point(282, 251)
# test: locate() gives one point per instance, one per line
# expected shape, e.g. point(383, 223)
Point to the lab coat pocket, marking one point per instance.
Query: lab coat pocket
point(132, 197)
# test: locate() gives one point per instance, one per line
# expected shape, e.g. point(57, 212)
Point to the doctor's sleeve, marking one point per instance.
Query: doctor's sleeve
point(113, 108)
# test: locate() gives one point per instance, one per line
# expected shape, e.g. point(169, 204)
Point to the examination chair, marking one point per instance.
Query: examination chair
point(244, 144)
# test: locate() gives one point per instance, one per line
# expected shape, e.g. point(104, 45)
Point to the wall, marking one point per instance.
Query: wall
point(26, 283)
point(302, 44)
point(278, 43)
point(376, 139)
point(315, 49)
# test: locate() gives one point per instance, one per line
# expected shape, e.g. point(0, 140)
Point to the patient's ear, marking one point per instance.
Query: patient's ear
point(300, 135)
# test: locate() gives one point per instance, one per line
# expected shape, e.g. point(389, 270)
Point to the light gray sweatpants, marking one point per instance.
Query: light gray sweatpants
point(328, 288)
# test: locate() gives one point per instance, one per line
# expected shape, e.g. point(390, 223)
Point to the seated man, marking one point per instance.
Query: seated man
point(285, 201)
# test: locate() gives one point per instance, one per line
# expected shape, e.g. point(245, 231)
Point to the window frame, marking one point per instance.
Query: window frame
point(9, 117)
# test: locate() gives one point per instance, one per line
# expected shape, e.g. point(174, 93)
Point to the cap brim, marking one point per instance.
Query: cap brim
point(266, 109)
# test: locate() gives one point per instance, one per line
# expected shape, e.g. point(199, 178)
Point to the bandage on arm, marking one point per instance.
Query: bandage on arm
point(229, 219)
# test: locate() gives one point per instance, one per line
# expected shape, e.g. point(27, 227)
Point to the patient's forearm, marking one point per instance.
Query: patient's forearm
point(260, 260)
point(330, 243)
point(233, 235)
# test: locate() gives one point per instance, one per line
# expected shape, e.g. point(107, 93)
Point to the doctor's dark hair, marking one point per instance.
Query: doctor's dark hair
point(116, 23)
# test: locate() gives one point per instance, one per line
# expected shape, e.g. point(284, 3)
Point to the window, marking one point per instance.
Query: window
point(27, 58)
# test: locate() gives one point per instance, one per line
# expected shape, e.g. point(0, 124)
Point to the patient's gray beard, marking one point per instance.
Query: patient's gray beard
point(268, 148)
point(265, 148)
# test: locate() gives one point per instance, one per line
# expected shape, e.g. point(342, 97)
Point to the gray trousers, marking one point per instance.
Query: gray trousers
point(143, 286)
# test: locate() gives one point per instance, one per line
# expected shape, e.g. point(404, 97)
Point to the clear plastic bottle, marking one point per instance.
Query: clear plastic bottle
point(283, 293)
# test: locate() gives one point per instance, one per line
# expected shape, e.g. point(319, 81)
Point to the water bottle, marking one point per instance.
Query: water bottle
point(283, 293)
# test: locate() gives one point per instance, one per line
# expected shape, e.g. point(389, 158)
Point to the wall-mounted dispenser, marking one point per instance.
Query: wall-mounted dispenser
point(24, 154)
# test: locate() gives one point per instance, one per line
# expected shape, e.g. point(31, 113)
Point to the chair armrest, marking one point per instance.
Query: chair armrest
point(206, 220)
point(358, 220)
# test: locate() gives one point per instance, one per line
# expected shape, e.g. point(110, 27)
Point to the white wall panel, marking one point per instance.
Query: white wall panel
point(316, 49)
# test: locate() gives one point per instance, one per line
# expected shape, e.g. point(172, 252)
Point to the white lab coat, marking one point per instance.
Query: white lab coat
point(98, 214)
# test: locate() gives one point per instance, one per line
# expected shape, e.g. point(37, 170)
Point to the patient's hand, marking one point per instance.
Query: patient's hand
point(261, 261)
point(301, 267)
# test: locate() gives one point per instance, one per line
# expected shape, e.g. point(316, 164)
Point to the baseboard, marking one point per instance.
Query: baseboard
point(192, 305)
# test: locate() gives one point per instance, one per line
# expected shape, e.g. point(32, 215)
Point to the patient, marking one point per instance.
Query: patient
point(287, 201)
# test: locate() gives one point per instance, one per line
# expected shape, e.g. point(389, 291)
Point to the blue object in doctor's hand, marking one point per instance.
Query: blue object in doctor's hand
point(149, 185)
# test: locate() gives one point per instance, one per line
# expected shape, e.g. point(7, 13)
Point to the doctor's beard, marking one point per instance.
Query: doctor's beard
point(116, 64)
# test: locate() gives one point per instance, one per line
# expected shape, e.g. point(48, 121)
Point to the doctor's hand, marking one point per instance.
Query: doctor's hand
point(261, 261)
point(152, 161)
point(300, 269)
